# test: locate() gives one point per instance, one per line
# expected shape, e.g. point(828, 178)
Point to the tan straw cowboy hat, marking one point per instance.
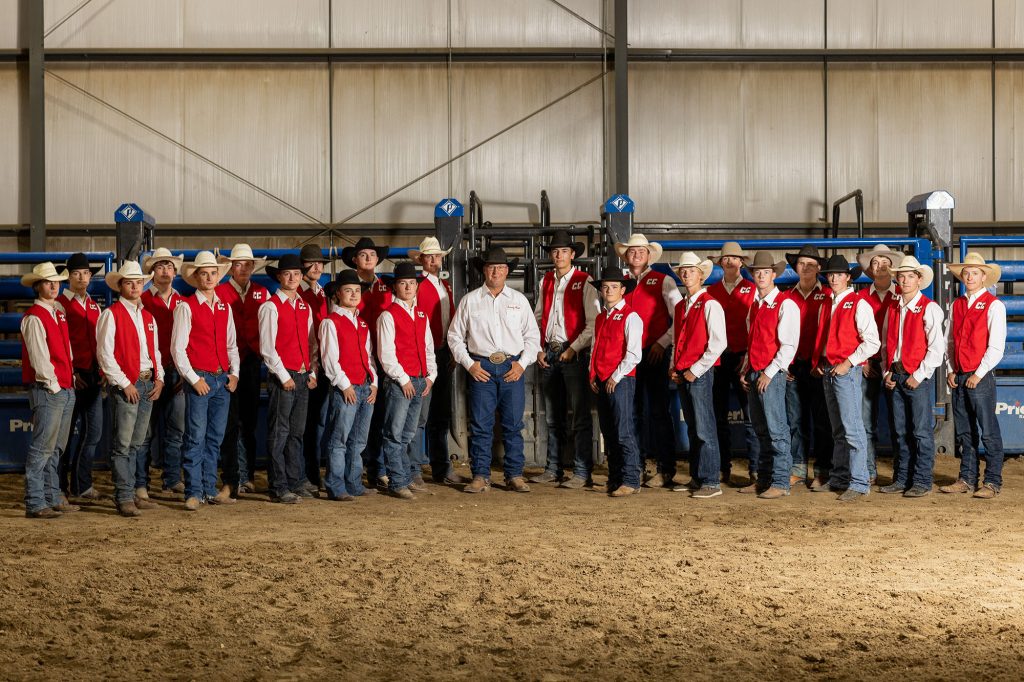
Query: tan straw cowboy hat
point(975, 260)
point(637, 239)
point(691, 260)
point(160, 255)
point(44, 272)
point(204, 259)
point(733, 249)
point(910, 264)
point(429, 247)
point(129, 270)
point(879, 250)
point(241, 252)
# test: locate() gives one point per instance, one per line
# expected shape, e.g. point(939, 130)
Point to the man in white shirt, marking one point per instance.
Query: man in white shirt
point(495, 337)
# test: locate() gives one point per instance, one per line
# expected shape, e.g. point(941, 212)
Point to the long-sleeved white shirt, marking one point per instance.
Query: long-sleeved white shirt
point(714, 317)
point(634, 333)
point(34, 336)
point(386, 342)
point(267, 316)
point(995, 322)
point(788, 331)
point(183, 330)
point(106, 330)
point(486, 324)
point(670, 294)
point(933, 331)
point(864, 319)
point(442, 297)
point(556, 331)
point(331, 350)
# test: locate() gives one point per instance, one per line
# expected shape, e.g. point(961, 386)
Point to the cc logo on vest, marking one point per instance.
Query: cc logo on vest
point(916, 309)
point(617, 316)
point(577, 286)
point(771, 306)
point(653, 280)
point(93, 306)
point(848, 305)
point(151, 327)
point(744, 290)
point(60, 317)
point(980, 305)
point(300, 304)
point(419, 314)
point(220, 306)
point(257, 295)
point(819, 297)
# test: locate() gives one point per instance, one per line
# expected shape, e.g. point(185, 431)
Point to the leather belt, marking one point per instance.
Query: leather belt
point(556, 347)
point(496, 358)
point(146, 376)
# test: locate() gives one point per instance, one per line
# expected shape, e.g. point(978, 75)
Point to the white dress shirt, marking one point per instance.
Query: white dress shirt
point(486, 324)
point(386, 342)
point(670, 294)
point(315, 286)
point(714, 318)
point(238, 287)
point(933, 332)
point(444, 302)
point(106, 329)
point(788, 331)
point(331, 350)
point(995, 322)
point(634, 332)
point(267, 315)
point(555, 331)
point(864, 319)
point(183, 330)
point(34, 336)
point(69, 296)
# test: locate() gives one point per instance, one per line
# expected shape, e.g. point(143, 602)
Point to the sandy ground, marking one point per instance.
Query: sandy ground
point(551, 585)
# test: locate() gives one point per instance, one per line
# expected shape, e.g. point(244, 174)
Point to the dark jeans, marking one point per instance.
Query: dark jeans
point(566, 388)
point(768, 413)
point(870, 410)
point(914, 419)
point(727, 382)
point(77, 458)
point(974, 419)
point(698, 411)
point(243, 416)
point(51, 424)
point(435, 419)
point(400, 422)
point(654, 430)
point(167, 426)
point(315, 438)
point(373, 453)
point(807, 413)
point(286, 420)
point(616, 415)
point(131, 424)
point(487, 399)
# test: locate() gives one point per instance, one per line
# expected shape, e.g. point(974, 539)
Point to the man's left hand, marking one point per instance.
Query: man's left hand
point(232, 383)
point(655, 353)
point(513, 374)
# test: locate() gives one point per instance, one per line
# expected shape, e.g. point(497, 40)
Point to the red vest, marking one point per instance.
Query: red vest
point(292, 342)
point(915, 343)
point(374, 301)
point(970, 331)
point(410, 339)
point(647, 302)
point(317, 303)
point(809, 308)
point(691, 333)
point(880, 308)
point(352, 356)
point(736, 306)
point(58, 342)
point(127, 352)
point(838, 337)
point(81, 329)
point(572, 304)
point(429, 302)
point(163, 313)
point(245, 313)
point(207, 347)
point(763, 339)
point(609, 343)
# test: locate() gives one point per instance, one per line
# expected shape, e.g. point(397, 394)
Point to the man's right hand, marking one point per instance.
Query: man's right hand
point(408, 390)
point(762, 382)
point(542, 359)
point(951, 380)
point(80, 382)
point(349, 394)
point(289, 385)
point(201, 387)
point(131, 394)
point(479, 373)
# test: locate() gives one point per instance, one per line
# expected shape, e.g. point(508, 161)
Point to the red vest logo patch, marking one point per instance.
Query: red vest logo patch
point(653, 280)
point(744, 290)
point(848, 305)
point(617, 316)
point(60, 316)
point(980, 305)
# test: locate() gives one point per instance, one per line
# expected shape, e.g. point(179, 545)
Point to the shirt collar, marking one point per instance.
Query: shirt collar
point(203, 299)
point(836, 298)
point(306, 286)
point(617, 306)
point(767, 299)
point(51, 305)
point(971, 298)
point(410, 306)
point(133, 308)
point(284, 297)
point(566, 276)
point(156, 294)
point(816, 287)
point(238, 287)
point(913, 301)
point(692, 299)
point(70, 295)
point(891, 290)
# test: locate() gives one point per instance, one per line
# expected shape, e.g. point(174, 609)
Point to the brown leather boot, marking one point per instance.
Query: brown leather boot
point(223, 497)
point(479, 485)
point(961, 486)
point(517, 485)
point(128, 509)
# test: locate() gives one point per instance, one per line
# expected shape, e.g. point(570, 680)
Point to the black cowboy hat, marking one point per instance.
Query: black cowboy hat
point(494, 256)
point(348, 254)
point(562, 240)
point(312, 253)
point(806, 251)
point(612, 274)
point(838, 263)
point(79, 261)
point(405, 270)
point(344, 277)
point(288, 261)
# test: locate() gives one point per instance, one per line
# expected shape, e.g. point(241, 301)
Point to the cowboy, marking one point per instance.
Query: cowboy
point(48, 374)
point(805, 393)
point(881, 295)
point(495, 337)
point(289, 347)
point(245, 298)
point(977, 340)
point(347, 352)
point(654, 299)
point(618, 334)
point(128, 352)
point(405, 348)
point(82, 313)
point(735, 294)
point(847, 338)
point(700, 338)
point(205, 352)
point(566, 310)
point(773, 332)
point(912, 349)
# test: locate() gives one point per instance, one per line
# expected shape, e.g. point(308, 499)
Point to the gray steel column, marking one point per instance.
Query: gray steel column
point(33, 148)
point(621, 98)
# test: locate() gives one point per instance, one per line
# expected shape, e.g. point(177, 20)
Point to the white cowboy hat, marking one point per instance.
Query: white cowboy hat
point(160, 255)
point(637, 239)
point(428, 247)
point(879, 250)
point(204, 259)
point(243, 252)
point(44, 272)
point(975, 260)
point(910, 264)
point(692, 260)
point(130, 270)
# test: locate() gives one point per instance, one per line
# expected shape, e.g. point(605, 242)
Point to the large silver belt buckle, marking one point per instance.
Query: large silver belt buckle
point(498, 358)
point(556, 347)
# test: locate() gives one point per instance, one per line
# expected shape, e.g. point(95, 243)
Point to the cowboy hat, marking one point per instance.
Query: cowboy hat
point(733, 249)
point(613, 274)
point(348, 254)
point(838, 263)
point(765, 259)
point(494, 256)
point(806, 251)
point(879, 250)
point(160, 255)
point(288, 261)
point(637, 239)
point(404, 270)
point(129, 270)
point(79, 261)
point(562, 240)
point(243, 252)
point(429, 247)
point(44, 272)
point(343, 278)
point(204, 259)
point(692, 260)
point(312, 253)
point(910, 264)
point(975, 260)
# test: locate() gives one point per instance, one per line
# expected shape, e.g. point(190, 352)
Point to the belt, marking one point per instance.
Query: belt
point(556, 346)
point(897, 368)
point(146, 376)
point(496, 358)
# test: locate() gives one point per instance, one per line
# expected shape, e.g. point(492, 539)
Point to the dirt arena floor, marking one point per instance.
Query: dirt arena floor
point(550, 585)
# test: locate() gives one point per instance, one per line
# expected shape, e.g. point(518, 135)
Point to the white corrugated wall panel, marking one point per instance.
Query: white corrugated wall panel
point(10, 150)
point(897, 130)
point(1009, 23)
point(389, 23)
point(1009, 142)
point(726, 23)
point(865, 24)
point(8, 24)
point(115, 23)
point(727, 143)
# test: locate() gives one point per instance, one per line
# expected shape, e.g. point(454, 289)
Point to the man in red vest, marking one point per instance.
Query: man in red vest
point(847, 338)
point(82, 313)
point(700, 338)
point(618, 335)
point(289, 346)
point(347, 355)
point(128, 353)
point(566, 309)
point(653, 300)
point(977, 340)
point(314, 443)
point(238, 451)
point(205, 352)
point(48, 375)
point(773, 332)
point(912, 349)
point(405, 348)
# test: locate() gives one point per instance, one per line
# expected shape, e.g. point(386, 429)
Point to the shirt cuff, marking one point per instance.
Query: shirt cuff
point(771, 370)
point(283, 375)
point(191, 377)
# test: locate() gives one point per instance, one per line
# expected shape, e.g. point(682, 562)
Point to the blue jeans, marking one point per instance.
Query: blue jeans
point(807, 413)
point(914, 420)
point(870, 410)
point(286, 423)
point(77, 458)
point(615, 413)
point(206, 417)
point(486, 400)
point(974, 419)
point(567, 389)
point(727, 380)
point(845, 395)
point(131, 424)
point(167, 426)
point(51, 424)
point(400, 420)
point(348, 427)
point(768, 414)
point(697, 400)
point(654, 430)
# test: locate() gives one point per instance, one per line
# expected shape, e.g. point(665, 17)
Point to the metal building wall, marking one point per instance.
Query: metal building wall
point(10, 150)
